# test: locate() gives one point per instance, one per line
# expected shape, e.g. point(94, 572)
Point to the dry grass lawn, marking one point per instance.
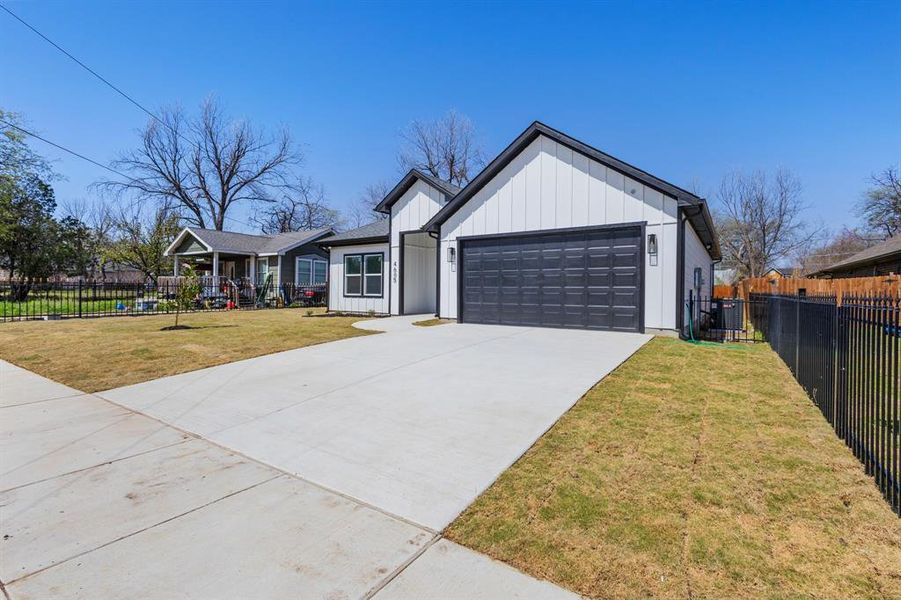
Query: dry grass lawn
point(99, 354)
point(692, 472)
point(433, 322)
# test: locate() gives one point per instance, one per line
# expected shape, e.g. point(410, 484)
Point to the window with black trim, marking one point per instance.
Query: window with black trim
point(363, 274)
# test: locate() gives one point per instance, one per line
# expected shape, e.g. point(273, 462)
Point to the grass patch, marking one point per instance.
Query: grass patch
point(433, 322)
point(99, 354)
point(692, 471)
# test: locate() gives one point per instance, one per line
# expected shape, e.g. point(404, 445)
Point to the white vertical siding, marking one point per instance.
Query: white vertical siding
point(419, 274)
point(337, 301)
point(550, 187)
point(409, 213)
point(696, 256)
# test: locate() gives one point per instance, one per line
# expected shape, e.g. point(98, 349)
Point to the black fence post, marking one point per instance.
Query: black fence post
point(797, 333)
point(79, 298)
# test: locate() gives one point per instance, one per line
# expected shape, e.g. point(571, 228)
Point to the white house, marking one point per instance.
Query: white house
point(551, 233)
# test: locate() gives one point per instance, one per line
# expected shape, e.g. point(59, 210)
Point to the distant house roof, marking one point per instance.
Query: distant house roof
point(774, 271)
point(449, 189)
point(246, 243)
point(374, 232)
point(887, 250)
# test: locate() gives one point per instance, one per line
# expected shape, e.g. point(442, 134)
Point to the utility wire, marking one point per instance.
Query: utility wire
point(89, 70)
point(64, 149)
point(83, 157)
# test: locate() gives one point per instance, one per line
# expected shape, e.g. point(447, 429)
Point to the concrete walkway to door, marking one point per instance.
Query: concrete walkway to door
point(416, 422)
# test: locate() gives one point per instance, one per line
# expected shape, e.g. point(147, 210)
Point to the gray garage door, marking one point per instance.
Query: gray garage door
point(588, 279)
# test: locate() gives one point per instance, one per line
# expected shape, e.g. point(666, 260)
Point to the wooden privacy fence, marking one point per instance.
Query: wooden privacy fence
point(884, 285)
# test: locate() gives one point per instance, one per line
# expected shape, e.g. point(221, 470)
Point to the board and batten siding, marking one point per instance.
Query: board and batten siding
point(410, 213)
point(548, 186)
point(696, 256)
point(355, 304)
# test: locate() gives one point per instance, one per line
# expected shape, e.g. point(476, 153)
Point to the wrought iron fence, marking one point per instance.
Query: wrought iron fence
point(846, 357)
point(724, 319)
point(47, 300)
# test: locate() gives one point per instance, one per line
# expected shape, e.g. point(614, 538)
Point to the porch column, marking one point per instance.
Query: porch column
point(253, 270)
point(215, 264)
point(175, 265)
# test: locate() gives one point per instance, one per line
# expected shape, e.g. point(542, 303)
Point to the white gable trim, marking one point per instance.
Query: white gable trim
point(180, 238)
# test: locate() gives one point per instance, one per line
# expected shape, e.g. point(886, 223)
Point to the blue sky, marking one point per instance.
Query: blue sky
point(687, 91)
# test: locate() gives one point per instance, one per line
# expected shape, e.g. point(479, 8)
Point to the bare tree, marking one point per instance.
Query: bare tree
point(759, 220)
point(445, 148)
point(881, 204)
point(363, 211)
point(202, 167)
point(100, 221)
point(142, 236)
point(305, 208)
point(844, 244)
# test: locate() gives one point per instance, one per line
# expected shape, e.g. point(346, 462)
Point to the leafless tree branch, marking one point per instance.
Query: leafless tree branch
point(304, 208)
point(202, 167)
point(445, 148)
point(759, 220)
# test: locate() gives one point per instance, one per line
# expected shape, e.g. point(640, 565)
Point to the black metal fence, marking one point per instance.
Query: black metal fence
point(724, 319)
point(81, 299)
point(846, 357)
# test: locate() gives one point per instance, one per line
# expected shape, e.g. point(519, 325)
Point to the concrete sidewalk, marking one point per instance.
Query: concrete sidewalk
point(97, 501)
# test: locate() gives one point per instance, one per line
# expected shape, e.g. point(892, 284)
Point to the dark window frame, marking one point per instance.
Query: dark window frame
point(381, 274)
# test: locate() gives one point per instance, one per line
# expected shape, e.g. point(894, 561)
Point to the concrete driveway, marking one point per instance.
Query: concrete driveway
point(323, 472)
point(416, 421)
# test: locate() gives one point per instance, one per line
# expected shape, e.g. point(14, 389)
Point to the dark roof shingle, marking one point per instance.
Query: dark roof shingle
point(376, 231)
point(231, 241)
point(880, 251)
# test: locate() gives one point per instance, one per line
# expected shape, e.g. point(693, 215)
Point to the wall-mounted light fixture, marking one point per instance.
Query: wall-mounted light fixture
point(451, 254)
point(652, 243)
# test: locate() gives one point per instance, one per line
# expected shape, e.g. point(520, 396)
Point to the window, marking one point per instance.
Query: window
point(310, 271)
point(363, 274)
point(372, 275)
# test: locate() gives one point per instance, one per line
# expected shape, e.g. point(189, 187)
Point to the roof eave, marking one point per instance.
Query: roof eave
point(403, 186)
point(178, 239)
point(381, 239)
point(536, 129)
point(310, 240)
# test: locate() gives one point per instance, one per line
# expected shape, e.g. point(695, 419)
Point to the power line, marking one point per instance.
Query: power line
point(83, 157)
point(85, 67)
point(64, 149)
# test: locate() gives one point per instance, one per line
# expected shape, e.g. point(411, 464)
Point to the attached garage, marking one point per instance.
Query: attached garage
point(555, 233)
point(585, 278)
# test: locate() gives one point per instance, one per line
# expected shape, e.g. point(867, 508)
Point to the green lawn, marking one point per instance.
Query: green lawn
point(692, 472)
point(58, 305)
point(98, 354)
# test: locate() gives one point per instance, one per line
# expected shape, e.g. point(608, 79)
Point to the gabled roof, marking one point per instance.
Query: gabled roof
point(699, 214)
point(246, 243)
point(448, 189)
point(890, 248)
point(375, 232)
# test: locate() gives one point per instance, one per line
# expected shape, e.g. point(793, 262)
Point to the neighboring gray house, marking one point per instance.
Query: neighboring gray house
point(551, 233)
point(882, 259)
point(293, 257)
